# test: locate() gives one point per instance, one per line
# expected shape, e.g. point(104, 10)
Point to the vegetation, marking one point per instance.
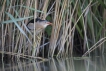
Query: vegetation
point(78, 27)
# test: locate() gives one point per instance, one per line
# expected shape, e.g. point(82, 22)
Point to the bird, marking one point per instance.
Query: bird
point(39, 24)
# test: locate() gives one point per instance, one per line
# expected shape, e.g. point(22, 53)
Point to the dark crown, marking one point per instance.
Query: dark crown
point(38, 19)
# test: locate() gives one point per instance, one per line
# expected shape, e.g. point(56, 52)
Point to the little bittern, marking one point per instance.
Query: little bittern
point(39, 24)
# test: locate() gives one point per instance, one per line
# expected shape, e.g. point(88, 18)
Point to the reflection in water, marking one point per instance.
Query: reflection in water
point(65, 64)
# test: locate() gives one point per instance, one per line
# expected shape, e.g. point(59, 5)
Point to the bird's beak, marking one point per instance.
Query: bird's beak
point(49, 23)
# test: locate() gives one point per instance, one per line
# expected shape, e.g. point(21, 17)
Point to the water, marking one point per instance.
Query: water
point(63, 64)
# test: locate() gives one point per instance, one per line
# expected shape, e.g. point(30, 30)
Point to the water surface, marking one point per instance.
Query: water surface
point(62, 64)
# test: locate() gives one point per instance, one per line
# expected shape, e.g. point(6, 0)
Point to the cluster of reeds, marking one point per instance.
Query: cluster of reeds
point(74, 22)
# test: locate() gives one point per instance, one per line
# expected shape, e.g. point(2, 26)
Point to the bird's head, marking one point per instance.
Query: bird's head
point(41, 24)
